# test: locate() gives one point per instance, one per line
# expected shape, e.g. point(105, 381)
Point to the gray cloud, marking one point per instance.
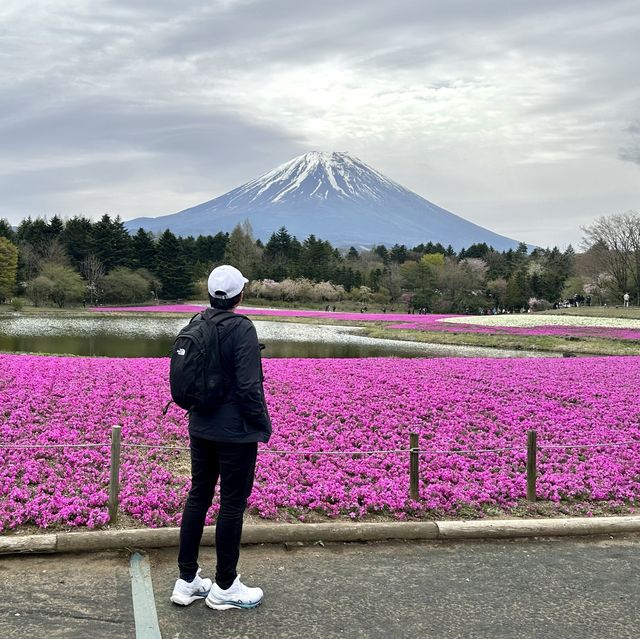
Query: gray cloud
point(147, 105)
point(97, 145)
point(631, 151)
point(113, 125)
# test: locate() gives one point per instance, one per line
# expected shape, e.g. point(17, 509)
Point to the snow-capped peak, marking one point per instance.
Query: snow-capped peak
point(317, 175)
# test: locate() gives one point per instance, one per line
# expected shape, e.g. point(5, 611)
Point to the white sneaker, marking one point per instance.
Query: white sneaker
point(186, 592)
point(236, 596)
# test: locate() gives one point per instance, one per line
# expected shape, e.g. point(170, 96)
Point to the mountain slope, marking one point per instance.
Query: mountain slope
point(334, 196)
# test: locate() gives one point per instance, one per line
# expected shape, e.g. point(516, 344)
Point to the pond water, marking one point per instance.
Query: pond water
point(151, 337)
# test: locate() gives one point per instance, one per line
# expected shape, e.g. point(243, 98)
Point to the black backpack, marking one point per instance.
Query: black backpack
point(195, 373)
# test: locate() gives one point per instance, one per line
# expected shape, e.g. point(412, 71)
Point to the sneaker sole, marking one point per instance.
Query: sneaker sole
point(230, 605)
point(185, 601)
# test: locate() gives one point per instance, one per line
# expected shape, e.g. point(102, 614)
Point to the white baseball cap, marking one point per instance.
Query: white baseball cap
point(225, 282)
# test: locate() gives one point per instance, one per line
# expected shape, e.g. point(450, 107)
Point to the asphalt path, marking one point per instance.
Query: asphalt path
point(562, 588)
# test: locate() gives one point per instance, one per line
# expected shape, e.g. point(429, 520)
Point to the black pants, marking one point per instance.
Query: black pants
point(235, 465)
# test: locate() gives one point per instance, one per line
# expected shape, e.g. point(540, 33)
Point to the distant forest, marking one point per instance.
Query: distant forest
point(55, 261)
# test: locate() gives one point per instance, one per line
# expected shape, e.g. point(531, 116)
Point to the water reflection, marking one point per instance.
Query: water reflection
point(151, 337)
point(113, 346)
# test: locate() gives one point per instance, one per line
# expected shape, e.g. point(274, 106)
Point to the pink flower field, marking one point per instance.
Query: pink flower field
point(325, 405)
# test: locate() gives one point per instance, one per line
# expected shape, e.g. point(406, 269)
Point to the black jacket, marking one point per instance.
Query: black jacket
point(242, 416)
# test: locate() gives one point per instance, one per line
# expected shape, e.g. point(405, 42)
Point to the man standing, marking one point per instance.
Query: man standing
point(625, 297)
point(224, 445)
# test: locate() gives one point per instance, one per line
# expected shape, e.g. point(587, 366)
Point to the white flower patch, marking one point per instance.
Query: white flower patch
point(531, 320)
point(122, 327)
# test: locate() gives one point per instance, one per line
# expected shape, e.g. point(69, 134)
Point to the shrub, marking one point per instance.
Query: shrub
point(67, 285)
point(301, 289)
point(154, 282)
point(382, 296)
point(201, 291)
point(326, 292)
point(124, 286)
point(362, 294)
point(268, 289)
point(539, 305)
point(39, 290)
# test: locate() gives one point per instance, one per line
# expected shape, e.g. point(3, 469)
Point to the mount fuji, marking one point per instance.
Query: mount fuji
point(335, 196)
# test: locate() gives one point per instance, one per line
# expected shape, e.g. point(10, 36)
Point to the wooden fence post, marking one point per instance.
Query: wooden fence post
point(532, 450)
point(114, 478)
point(414, 466)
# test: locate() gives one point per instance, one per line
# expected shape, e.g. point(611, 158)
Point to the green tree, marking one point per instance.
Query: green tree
point(497, 265)
point(77, 239)
point(399, 253)
point(497, 292)
point(515, 260)
point(346, 277)
point(172, 268)
point(462, 284)
point(144, 249)
point(8, 268)
point(152, 279)
point(28, 263)
point(420, 279)
point(433, 259)
point(241, 250)
point(113, 246)
point(7, 231)
point(430, 247)
point(374, 278)
point(56, 227)
point(353, 255)
point(36, 233)
point(281, 254)
point(316, 259)
point(557, 268)
point(382, 252)
point(573, 286)
point(210, 249)
point(476, 250)
point(517, 293)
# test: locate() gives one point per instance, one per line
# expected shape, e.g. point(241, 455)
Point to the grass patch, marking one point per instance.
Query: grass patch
point(547, 343)
point(616, 312)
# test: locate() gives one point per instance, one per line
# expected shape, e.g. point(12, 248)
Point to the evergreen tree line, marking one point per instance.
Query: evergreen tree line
point(101, 261)
point(78, 259)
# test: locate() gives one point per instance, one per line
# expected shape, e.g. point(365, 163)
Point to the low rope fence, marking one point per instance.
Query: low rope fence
point(414, 451)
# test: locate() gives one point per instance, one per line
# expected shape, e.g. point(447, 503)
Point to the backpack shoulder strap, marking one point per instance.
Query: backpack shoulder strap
point(219, 317)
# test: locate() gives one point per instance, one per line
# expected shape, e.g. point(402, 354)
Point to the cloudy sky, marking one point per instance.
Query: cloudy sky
point(520, 116)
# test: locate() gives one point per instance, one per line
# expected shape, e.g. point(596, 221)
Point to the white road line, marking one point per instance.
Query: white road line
point(144, 603)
